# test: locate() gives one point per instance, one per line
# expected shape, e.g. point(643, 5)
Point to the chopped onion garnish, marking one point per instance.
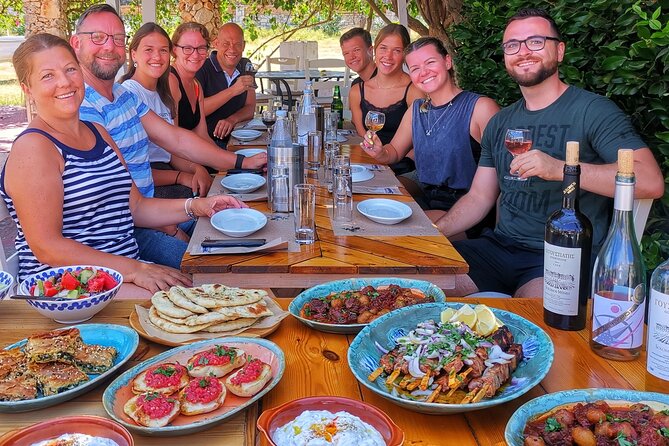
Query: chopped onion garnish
point(414, 368)
point(496, 352)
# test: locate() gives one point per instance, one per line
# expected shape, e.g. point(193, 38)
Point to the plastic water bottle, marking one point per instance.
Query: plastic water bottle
point(306, 119)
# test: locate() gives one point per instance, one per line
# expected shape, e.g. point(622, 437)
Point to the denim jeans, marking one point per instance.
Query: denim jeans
point(163, 249)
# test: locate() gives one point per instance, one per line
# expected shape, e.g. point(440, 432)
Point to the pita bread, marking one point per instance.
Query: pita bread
point(255, 310)
point(171, 327)
point(209, 318)
point(175, 320)
point(165, 306)
point(198, 296)
point(230, 325)
point(178, 299)
point(234, 297)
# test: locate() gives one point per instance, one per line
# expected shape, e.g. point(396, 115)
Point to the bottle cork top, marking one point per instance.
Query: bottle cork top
point(572, 153)
point(626, 161)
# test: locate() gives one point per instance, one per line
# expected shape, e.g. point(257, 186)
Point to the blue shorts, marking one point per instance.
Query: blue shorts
point(499, 263)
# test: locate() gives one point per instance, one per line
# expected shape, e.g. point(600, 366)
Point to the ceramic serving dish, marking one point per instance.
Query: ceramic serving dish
point(360, 173)
point(125, 340)
point(364, 354)
point(513, 434)
point(246, 134)
point(250, 152)
point(243, 183)
point(120, 390)
point(238, 222)
point(324, 289)
point(274, 418)
point(79, 424)
point(384, 211)
point(6, 284)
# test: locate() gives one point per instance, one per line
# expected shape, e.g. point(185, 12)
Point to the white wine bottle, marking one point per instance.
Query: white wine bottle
point(567, 250)
point(618, 280)
point(657, 361)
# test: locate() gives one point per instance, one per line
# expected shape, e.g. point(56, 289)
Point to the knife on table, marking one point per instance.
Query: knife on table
point(246, 243)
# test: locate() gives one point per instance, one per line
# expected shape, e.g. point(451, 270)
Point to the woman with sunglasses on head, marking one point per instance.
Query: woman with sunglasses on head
point(444, 130)
point(82, 205)
point(147, 77)
point(390, 91)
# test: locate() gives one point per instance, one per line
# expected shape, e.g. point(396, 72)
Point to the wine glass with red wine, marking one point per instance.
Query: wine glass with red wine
point(269, 118)
point(251, 69)
point(517, 141)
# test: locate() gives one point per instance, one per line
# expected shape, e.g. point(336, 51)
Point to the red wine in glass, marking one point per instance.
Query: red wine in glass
point(517, 142)
point(250, 69)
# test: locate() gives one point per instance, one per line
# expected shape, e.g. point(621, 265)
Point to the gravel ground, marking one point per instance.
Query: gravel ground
point(12, 122)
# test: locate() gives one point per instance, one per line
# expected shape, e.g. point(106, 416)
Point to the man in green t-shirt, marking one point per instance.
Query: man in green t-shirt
point(510, 258)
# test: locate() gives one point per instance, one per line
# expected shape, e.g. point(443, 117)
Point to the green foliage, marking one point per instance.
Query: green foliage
point(11, 17)
point(617, 48)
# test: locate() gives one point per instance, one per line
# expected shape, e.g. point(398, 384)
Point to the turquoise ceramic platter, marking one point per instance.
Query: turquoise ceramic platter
point(125, 340)
point(324, 289)
point(513, 434)
point(364, 355)
point(120, 391)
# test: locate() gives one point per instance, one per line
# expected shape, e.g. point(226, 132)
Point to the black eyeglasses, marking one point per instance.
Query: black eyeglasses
point(100, 38)
point(188, 50)
point(533, 43)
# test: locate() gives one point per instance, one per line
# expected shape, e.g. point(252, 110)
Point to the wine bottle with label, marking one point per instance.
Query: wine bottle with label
point(338, 106)
point(657, 361)
point(567, 250)
point(618, 280)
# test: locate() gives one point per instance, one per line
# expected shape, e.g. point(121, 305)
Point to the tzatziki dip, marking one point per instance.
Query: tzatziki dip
point(324, 428)
point(77, 440)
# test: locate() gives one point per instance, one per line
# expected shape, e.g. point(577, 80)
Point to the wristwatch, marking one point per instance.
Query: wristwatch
point(240, 160)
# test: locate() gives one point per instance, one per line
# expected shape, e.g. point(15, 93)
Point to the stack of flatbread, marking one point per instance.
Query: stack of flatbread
point(212, 308)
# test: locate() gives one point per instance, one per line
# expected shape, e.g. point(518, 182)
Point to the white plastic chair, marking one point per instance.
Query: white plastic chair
point(323, 89)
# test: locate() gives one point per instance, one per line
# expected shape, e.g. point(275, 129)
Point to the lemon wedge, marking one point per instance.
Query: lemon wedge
point(466, 315)
point(486, 321)
point(447, 314)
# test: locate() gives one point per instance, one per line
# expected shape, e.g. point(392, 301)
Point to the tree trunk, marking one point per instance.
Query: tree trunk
point(205, 12)
point(49, 16)
point(440, 15)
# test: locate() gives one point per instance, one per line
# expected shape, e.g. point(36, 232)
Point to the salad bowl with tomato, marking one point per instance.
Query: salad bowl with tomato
point(78, 291)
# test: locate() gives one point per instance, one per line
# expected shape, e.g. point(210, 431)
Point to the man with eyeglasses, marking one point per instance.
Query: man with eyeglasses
point(99, 43)
point(510, 258)
point(229, 93)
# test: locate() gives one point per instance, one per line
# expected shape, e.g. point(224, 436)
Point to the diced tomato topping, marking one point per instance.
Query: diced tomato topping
point(69, 282)
point(219, 355)
point(50, 292)
point(164, 375)
point(32, 290)
point(47, 284)
point(248, 373)
point(95, 284)
point(203, 390)
point(156, 405)
point(109, 281)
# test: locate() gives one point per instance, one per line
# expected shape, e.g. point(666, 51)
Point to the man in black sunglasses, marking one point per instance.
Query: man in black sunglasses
point(510, 259)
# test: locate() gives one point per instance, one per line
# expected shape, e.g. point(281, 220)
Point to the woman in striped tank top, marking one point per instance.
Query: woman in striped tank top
point(66, 186)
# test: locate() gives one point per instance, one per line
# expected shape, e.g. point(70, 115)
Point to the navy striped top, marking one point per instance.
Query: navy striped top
point(96, 211)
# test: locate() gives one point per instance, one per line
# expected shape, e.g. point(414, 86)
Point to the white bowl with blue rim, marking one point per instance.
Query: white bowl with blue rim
point(384, 211)
point(6, 283)
point(246, 134)
point(381, 335)
point(70, 311)
point(250, 152)
point(360, 173)
point(238, 222)
point(243, 183)
point(513, 434)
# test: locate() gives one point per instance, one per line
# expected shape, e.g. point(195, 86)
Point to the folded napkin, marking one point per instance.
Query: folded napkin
point(272, 245)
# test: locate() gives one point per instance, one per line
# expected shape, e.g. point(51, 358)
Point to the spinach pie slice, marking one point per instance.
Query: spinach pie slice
point(94, 359)
point(57, 377)
point(12, 362)
point(57, 345)
point(18, 387)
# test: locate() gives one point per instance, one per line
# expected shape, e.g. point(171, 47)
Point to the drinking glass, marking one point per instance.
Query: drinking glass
point(517, 141)
point(331, 151)
point(342, 192)
point(251, 69)
point(374, 120)
point(331, 120)
point(304, 206)
point(314, 146)
point(269, 118)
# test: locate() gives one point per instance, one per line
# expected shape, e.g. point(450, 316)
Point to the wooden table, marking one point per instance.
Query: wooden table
point(316, 365)
point(431, 258)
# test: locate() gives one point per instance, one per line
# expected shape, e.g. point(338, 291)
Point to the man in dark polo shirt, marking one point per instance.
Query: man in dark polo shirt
point(229, 94)
point(356, 47)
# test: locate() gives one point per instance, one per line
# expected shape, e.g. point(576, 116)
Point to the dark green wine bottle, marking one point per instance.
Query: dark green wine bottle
point(338, 106)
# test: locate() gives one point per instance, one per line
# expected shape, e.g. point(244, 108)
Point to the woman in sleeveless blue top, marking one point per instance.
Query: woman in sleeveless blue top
point(444, 130)
point(390, 91)
point(65, 183)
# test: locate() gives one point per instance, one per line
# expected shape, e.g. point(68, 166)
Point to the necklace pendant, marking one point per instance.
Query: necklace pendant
point(428, 133)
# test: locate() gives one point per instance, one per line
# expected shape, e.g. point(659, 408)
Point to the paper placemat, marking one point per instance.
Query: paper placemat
point(418, 225)
point(218, 189)
point(279, 233)
point(382, 179)
point(266, 322)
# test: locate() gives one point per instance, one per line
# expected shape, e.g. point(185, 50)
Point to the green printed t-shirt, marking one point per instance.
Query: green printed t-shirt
point(600, 128)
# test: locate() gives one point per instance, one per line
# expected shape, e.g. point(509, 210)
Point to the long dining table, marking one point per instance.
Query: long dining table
point(334, 257)
point(316, 365)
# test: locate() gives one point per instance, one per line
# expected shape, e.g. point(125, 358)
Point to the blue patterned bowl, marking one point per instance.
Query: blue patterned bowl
point(6, 282)
point(324, 289)
point(513, 434)
point(70, 311)
point(364, 355)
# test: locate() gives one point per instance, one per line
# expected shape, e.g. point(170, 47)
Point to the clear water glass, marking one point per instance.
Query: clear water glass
point(277, 193)
point(331, 150)
point(342, 194)
point(304, 205)
point(314, 148)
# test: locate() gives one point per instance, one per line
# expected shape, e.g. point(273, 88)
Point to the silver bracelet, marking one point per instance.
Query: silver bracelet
point(188, 207)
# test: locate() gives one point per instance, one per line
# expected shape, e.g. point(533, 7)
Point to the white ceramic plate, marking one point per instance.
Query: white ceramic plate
point(243, 183)
point(246, 135)
point(238, 222)
point(250, 152)
point(384, 211)
point(360, 173)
